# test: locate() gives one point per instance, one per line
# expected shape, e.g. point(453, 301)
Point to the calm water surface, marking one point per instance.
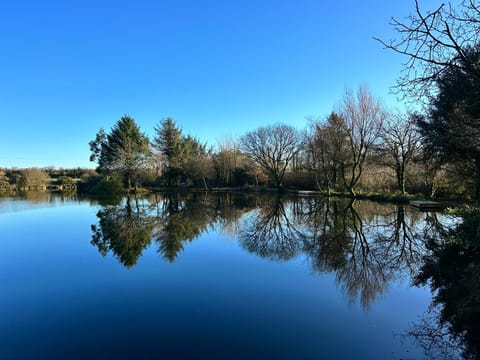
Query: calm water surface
point(197, 276)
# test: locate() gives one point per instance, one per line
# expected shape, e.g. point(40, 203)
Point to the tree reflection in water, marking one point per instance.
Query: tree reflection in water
point(123, 230)
point(367, 245)
point(181, 219)
point(170, 220)
point(271, 232)
point(451, 327)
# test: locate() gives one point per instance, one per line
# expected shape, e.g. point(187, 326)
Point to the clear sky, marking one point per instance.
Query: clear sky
point(219, 68)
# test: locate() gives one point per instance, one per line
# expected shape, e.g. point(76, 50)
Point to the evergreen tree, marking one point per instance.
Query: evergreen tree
point(167, 141)
point(197, 165)
point(123, 151)
point(452, 128)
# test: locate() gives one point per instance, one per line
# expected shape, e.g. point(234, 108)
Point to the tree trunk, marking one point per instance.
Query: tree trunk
point(351, 190)
point(477, 179)
point(401, 179)
point(129, 182)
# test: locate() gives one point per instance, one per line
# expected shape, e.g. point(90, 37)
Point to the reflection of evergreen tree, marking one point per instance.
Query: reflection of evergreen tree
point(366, 245)
point(124, 231)
point(184, 218)
point(229, 208)
point(453, 272)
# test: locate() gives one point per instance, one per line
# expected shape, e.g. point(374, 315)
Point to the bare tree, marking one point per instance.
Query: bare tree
point(434, 42)
point(363, 116)
point(33, 177)
point(400, 145)
point(328, 150)
point(273, 148)
point(228, 160)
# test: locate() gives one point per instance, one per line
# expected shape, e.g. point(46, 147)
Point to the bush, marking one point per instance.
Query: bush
point(34, 177)
point(108, 187)
point(4, 186)
point(102, 187)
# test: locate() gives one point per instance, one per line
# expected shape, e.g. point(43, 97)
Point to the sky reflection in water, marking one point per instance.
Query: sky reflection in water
point(190, 276)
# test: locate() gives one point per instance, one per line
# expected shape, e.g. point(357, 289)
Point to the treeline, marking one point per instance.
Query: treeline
point(17, 179)
point(359, 147)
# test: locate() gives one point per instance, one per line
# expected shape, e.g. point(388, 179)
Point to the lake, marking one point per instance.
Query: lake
point(210, 276)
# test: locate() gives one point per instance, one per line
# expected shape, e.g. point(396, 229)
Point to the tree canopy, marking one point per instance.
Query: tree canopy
point(434, 42)
point(363, 117)
point(273, 148)
point(183, 158)
point(123, 151)
point(442, 47)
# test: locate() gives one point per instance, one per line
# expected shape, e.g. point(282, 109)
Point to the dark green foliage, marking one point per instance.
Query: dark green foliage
point(87, 183)
point(167, 142)
point(125, 150)
point(241, 177)
point(453, 273)
point(452, 129)
point(125, 231)
point(184, 160)
point(107, 188)
point(102, 188)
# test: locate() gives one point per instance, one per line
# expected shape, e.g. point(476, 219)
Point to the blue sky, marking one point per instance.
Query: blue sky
point(219, 68)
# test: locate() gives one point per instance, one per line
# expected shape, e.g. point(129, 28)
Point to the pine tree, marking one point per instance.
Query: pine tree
point(167, 141)
point(123, 151)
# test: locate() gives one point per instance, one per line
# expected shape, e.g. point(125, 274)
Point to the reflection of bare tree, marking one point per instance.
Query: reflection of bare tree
point(366, 251)
point(403, 244)
point(435, 337)
point(364, 275)
point(366, 244)
point(270, 233)
point(340, 242)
